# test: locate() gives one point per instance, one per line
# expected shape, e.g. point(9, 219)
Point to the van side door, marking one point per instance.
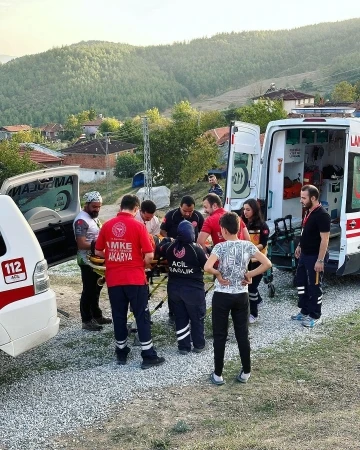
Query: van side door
point(243, 165)
point(49, 201)
point(349, 258)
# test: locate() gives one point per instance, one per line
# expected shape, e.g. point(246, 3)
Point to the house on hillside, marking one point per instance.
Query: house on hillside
point(92, 158)
point(52, 131)
point(8, 131)
point(41, 158)
point(291, 98)
point(91, 127)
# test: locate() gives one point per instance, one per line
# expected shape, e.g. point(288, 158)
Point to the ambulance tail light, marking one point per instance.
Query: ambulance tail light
point(41, 277)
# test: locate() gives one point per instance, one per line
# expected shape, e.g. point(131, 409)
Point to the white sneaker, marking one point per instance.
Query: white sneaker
point(243, 377)
point(252, 319)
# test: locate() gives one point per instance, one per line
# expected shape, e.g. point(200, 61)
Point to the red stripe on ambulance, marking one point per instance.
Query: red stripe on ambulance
point(13, 295)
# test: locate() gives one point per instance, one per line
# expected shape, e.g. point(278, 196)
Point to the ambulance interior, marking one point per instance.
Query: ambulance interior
point(307, 156)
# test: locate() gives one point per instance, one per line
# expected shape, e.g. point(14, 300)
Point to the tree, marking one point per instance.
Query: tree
point(357, 89)
point(127, 165)
point(12, 163)
point(262, 112)
point(203, 154)
point(212, 119)
point(306, 85)
point(344, 92)
point(109, 125)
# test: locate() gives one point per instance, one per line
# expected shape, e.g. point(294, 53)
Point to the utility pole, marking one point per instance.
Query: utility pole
point(147, 161)
point(107, 162)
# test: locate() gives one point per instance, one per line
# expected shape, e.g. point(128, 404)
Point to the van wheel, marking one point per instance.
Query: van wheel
point(271, 290)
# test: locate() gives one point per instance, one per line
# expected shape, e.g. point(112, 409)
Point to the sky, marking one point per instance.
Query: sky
point(34, 26)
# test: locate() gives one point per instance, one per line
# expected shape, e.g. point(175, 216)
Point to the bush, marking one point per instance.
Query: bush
point(127, 165)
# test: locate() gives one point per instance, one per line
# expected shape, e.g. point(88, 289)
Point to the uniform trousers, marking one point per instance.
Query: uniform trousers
point(189, 306)
point(137, 296)
point(309, 286)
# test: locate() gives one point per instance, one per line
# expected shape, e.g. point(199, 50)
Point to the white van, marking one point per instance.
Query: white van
point(324, 151)
point(36, 221)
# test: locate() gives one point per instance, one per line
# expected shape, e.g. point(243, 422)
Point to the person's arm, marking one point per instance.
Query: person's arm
point(148, 257)
point(319, 265)
point(100, 244)
point(202, 257)
point(209, 267)
point(265, 264)
point(264, 236)
point(201, 240)
point(156, 228)
point(81, 229)
point(200, 222)
point(246, 234)
point(165, 224)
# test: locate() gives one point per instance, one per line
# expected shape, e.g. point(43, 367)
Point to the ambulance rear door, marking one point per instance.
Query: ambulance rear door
point(349, 258)
point(49, 201)
point(243, 165)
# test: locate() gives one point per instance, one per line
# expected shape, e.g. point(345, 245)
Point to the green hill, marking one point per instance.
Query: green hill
point(122, 80)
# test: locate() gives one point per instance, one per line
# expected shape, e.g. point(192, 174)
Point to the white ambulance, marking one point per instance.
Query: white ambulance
point(316, 149)
point(36, 219)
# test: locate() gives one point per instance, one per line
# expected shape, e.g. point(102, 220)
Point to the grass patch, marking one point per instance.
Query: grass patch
point(300, 396)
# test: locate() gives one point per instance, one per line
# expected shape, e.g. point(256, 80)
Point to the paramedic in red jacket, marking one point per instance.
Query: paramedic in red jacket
point(127, 248)
point(213, 207)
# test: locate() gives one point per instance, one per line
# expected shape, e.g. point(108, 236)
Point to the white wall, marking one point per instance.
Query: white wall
point(88, 175)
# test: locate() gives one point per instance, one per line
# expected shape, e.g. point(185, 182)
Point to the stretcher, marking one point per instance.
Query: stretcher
point(284, 237)
point(157, 276)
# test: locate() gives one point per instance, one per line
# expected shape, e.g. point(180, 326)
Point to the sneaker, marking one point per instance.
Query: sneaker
point(92, 325)
point(243, 377)
point(153, 362)
point(309, 322)
point(217, 382)
point(198, 350)
point(252, 319)
point(299, 316)
point(103, 320)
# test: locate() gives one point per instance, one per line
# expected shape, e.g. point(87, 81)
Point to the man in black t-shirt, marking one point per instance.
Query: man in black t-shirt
point(186, 292)
point(312, 253)
point(186, 211)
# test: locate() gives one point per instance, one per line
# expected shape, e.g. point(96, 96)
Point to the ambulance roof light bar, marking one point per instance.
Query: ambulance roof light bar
point(322, 111)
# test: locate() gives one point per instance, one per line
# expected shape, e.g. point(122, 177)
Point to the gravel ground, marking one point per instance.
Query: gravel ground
point(72, 381)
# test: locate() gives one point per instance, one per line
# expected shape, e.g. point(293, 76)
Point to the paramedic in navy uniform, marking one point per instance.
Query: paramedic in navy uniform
point(186, 211)
point(312, 253)
point(185, 288)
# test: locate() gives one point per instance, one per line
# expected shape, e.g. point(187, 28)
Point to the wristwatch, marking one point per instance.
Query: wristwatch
point(320, 261)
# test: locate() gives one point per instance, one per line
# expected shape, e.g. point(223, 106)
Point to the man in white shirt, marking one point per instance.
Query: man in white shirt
point(146, 215)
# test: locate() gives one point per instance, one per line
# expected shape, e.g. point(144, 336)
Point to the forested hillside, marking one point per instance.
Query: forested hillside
point(122, 80)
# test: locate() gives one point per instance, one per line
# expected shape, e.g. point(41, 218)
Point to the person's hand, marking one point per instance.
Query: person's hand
point(247, 279)
point(297, 252)
point(319, 266)
point(222, 281)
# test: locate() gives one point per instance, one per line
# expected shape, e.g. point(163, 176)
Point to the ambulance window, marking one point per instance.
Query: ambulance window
point(242, 169)
point(2, 246)
point(353, 186)
point(54, 193)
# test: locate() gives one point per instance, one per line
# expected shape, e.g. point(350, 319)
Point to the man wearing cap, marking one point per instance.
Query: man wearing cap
point(86, 228)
